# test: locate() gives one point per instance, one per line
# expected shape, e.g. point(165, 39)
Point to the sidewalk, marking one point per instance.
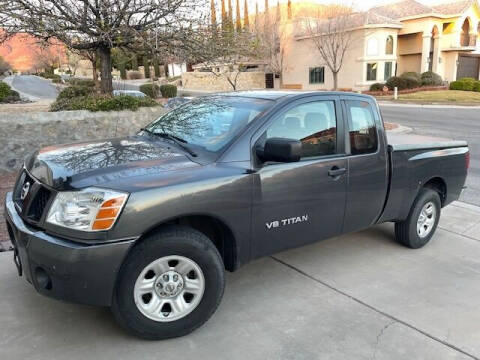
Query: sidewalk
point(358, 296)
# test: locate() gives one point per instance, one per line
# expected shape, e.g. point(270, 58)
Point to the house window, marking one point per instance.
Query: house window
point(389, 45)
point(317, 75)
point(372, 71)
point(372, 47)
point(387, 71)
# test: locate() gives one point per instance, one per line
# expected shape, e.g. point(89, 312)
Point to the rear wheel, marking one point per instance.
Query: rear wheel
point(169, 285)
point(421, 223)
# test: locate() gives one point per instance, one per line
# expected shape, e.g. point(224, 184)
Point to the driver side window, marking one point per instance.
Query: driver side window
point(314, 124)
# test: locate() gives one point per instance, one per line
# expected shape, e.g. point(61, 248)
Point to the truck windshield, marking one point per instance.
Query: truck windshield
point(210, 122)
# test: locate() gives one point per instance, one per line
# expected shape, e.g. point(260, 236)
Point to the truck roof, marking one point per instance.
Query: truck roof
point(279, 94)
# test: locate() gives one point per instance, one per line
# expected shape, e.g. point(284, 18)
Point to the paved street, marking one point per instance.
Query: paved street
point(453, 123)
point(359, 296)
point(34, 87)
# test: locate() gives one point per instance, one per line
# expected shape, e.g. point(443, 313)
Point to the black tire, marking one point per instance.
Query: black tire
point(172, 240)
point(406, 231)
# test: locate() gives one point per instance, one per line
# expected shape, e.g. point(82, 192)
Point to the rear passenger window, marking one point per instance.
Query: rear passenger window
point(314, 124)
point(361, 124)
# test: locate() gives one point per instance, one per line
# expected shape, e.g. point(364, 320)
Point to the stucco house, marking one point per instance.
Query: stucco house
point(390, 40)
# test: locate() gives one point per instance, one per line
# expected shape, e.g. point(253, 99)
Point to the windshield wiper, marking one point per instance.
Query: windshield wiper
point(177, 140)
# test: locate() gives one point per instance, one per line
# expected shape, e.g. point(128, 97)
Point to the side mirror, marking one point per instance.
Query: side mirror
point(281, 150)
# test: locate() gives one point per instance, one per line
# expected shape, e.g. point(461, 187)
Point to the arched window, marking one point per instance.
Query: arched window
point(372, 46)
point(389, 45)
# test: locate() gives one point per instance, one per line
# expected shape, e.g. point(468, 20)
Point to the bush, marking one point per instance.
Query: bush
point(168, 91)
point(47, 75)
point(57, 81)
point(12, 97)
point(377, 87)
point(134, 75)
point(101, 103)
point(74, 91)
point(82, 82)
point(429, 78)
point(396, 81)
point(4, 90)
point(476, 87)
point(465, 84)
point(412, 83)
point(456, 85)
point(151, 90)
point(412, 75)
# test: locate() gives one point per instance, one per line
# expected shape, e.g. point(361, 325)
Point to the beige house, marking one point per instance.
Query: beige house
point(390, 40)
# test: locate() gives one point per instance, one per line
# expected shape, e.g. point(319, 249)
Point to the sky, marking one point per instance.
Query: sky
point(359, 4)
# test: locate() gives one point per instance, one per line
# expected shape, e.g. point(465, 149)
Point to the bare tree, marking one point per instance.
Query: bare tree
point(273, 43)
point(332, 36)
point(73, 61)
point(223, 53)
point(47, 56)
point(100, 25)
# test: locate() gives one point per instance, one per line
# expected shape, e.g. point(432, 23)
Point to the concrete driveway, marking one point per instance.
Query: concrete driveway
point(359, 296)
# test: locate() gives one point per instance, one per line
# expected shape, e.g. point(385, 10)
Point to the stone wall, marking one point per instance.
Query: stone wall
point(205, 80)
point(22, 134)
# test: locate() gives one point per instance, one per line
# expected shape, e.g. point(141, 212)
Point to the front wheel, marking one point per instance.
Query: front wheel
point(169, 285)
point(421, 223)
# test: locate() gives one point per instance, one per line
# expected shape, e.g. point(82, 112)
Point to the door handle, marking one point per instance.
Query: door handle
point(336, 171)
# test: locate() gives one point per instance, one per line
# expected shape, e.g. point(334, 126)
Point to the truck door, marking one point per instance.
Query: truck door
point(301, 202)
point(367, 164)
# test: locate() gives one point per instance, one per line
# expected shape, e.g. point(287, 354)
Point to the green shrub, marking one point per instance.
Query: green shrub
point(412, 83)
point(429, 78)
point(412, 75)
point(377, 87)
point(4, 90)
point(456, 85)
point(12, 97)
point(74, 91)
point(396, 81)
point(48, 75)
point(82, 82)
point(168, 91)
point(151, 90)
point(101, 103)
point(57, 81)
point(476, 87)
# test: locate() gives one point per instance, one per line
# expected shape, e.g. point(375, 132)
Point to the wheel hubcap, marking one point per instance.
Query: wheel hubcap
point(426, 219)
point(169, 288)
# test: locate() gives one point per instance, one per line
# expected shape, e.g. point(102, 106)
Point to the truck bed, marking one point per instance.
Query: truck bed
point(416, 160)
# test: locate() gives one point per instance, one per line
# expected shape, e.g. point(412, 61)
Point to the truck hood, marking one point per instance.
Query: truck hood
point(93, 163)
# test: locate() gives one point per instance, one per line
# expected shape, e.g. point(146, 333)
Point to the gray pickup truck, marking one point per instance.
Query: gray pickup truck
point(148, 224)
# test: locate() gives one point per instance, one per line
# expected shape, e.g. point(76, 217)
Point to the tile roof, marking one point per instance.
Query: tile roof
point(402, 9)
point(453, 8)
point(407, 8)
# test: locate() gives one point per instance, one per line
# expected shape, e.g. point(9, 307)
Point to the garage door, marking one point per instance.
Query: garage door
point(468, 67)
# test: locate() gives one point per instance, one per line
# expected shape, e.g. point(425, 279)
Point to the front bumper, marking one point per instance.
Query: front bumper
point(63, 269)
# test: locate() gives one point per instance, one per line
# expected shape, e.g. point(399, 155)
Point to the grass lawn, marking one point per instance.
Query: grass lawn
point(442, 96)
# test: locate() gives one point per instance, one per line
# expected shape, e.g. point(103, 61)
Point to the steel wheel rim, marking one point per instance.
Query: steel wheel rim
point(169, 288)
point(426, 219)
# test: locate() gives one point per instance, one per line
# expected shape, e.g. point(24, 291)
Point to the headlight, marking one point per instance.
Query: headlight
point(91, 209)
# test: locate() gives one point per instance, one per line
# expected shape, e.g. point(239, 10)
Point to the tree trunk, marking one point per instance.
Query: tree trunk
point(95, 74)
point(106, 85)
point(335, 81)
